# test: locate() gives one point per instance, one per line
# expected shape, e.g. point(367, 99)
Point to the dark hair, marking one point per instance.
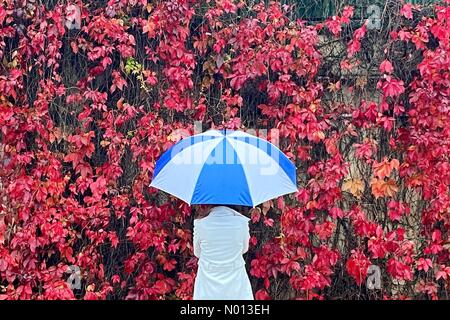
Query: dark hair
point(239, 208)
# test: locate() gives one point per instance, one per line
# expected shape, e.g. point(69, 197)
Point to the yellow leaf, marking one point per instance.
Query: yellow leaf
point(354, 186)
point(391, 187)
point(320, 135)
point(104, 143)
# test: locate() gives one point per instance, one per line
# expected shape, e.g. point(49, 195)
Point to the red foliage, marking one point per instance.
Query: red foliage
point(85, 113)
point(357, 266)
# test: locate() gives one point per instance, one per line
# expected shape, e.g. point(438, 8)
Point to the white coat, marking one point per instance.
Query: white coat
point(220, 240)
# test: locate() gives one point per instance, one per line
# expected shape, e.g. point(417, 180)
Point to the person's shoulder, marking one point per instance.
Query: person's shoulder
point(241, 217)
point(198, 221)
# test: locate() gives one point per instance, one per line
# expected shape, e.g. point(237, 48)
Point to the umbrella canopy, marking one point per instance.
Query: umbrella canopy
point(225, 167)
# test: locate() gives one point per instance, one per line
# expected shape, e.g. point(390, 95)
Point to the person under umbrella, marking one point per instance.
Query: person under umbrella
point(223, 172)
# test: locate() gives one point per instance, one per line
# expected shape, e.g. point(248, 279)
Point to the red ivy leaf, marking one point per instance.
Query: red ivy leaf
point(406, 11)
point(386, 67)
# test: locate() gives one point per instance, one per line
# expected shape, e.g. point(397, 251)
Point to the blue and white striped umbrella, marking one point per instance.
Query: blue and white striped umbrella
point(224, 167)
